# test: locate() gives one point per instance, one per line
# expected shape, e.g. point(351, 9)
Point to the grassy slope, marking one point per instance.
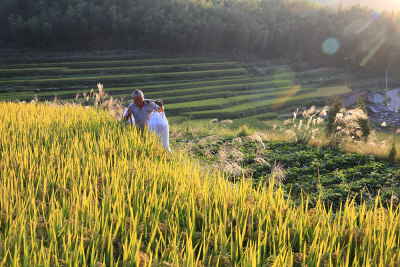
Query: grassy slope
point(290, 97)
point(95, 193)
point(74, 63)
point(190, 87)
point(130, 76)
point(152, 87)
point(318, 170)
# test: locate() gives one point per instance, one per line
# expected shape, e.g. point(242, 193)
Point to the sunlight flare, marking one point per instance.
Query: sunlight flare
point(331, 45)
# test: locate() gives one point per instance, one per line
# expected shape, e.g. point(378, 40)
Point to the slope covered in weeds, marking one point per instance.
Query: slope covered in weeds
point(78, 188)
point(325, 173)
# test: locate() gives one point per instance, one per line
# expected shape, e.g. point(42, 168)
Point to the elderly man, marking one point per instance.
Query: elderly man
point(141, 109)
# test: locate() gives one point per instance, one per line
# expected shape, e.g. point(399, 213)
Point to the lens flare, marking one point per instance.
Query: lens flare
point(364, 26)
point(376, 14)
point(287, 97)
point(331, 46)
point(284, 79)
point(396, 23)
point(372, 52)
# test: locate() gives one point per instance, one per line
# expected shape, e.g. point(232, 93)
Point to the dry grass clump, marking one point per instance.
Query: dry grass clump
point(103, 100)
point(229, 158)
point(348, 127)
point(304, 127)
point(278, 173)
point(244, 131)
point(375, 146)
point(277, 135)
point(308, 127)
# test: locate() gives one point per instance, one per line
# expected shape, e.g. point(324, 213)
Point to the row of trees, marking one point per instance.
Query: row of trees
point(297, 30)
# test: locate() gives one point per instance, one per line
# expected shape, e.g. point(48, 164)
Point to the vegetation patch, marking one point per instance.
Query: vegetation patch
point(96, 193)
point(192, 88)
point(326, 174)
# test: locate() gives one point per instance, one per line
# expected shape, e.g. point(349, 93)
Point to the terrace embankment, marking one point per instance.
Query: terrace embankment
point(196, 88)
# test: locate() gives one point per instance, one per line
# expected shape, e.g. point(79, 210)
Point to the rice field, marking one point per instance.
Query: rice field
point(80, 189)
point(191, 88)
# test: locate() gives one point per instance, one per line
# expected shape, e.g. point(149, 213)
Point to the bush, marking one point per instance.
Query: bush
point(245, 130)
point(392, 153)
point(365, 128)
point(351, 124)
point(335, 109)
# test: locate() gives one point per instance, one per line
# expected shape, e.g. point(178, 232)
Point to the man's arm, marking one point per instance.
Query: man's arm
point(129, 113)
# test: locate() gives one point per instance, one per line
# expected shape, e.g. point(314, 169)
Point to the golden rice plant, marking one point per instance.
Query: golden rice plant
point(79, 188)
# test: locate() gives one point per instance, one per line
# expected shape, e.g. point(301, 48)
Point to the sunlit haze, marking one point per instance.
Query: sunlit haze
point(375, 4)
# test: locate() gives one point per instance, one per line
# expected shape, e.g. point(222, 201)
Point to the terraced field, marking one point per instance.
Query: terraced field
point(195, 88)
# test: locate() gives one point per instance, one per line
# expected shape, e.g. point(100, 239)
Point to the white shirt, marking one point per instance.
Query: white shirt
point(142, 116)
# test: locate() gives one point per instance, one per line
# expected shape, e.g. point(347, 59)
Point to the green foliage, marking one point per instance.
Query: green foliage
point(244, 131)
point(361, 104)
point(365, 128)
point(392, 153)
point(328, 173)
point(364, 123)
point(335, 109)
point(267, 29)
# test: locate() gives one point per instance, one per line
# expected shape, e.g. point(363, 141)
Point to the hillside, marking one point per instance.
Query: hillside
point(95, 194)
point(196, 88)
point(285, 30)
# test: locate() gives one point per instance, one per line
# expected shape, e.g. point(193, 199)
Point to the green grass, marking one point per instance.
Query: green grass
point(101, 69)
point(185, 84)
point(321, 92)
point(221, 93)
point(246, 91)
point(63, 72)
point(156, 67)
point(241, 88)
point(240, 85)
point(121, 76)
point(108, 62)
point(254, 122)
point(33, 69)
point(246, 86)
point(235, 99)
point(146, 88)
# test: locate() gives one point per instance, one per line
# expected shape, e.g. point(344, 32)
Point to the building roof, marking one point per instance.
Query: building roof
point(393, 90)
point(357, 91)
point(373, 93)
point(377, 108)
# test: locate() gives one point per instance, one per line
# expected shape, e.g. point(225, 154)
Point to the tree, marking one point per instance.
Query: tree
point(361, 103)
point(267, 29)
point(365, 127)
point(335, 109)
point(392, 153)
point(364, 123)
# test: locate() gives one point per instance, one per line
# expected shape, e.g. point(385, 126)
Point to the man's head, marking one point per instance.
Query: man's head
point(138, 97)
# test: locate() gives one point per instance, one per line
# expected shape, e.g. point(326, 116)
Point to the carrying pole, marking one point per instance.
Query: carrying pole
point(146, 100)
